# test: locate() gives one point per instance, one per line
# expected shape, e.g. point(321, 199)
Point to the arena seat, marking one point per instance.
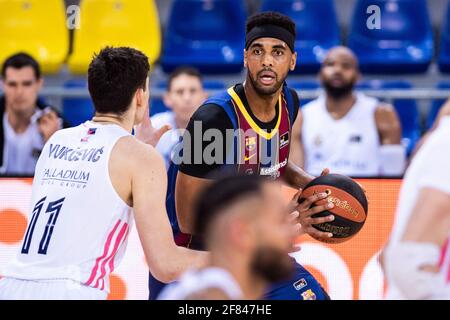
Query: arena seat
point(407, 110)
point(436, 105)
point(211, 37)
point(77, 110)
point(133, 23)
point(312, 41)
point(25, 26)
point(444, 52)
point(402, 44)
point(300, 85)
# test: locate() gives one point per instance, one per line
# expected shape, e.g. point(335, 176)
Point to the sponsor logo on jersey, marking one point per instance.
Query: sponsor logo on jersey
point(284, 140)
point(300, 284)
point(355, 138)
point(58, 151)
point(273, 170)
point(309, 295)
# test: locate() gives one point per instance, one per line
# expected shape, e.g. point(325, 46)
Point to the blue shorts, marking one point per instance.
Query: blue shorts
point(301, 286)
point(154, 286)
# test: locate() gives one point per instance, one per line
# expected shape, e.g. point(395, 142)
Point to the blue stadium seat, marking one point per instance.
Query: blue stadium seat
point(157, 104)
point(407, 110)
point(207, 34)
point(312, 41)
point(300, 85)
point(403, 44)
point(436, 105)
point(444, 52)
point(77, 110)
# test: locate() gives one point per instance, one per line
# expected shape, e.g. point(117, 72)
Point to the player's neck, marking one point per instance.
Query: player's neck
point(339, 107)
point(109, 118)
point(238, 268)
point(262, 106)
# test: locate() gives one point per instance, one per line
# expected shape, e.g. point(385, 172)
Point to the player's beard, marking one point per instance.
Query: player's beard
point(271, 265)
point(262, 90)
point(338, 92)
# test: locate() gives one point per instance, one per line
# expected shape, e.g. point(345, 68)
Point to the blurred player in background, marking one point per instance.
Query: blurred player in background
point(260, 112)
point(26, 121)
point(184, 95)
point(87, 181)
point(417, 257)
point(245, 223)
point(347, 132)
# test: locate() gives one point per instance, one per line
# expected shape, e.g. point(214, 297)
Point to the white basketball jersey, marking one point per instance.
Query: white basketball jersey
point(77, 225)
point(195, 281)
point(347, 146)
point(429, 168)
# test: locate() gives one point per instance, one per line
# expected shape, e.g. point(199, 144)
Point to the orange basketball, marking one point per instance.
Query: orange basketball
point(350, 206)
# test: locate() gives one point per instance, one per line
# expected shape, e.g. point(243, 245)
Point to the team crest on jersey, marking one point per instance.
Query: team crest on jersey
point(300, 284)
point(90, 132)
point(250, 143)
point(284, 140)
point(309, 295)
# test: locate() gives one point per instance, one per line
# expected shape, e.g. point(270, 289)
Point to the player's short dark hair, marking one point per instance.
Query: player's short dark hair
point(19, 61)
point(221, 194)
point(114, 75)
point(183, 70)
point(271, 18)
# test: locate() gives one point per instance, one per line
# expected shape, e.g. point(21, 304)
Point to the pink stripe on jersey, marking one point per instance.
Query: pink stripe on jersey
point(443, 253)
point(111, 256)
point(105, 252)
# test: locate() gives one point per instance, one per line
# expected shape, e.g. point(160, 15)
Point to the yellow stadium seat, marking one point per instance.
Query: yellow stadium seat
point(132, 23)
point(36, 27)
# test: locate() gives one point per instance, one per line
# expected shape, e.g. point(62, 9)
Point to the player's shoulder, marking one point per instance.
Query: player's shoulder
point(211, 115)
point(137, 154)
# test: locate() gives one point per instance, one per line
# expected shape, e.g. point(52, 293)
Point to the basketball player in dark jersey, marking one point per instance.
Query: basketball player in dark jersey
point(261, 113)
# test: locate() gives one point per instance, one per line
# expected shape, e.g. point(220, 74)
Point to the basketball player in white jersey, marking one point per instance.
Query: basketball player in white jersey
point(347, 132)
point(417, 257)
point(87, 181)
point(246, 228)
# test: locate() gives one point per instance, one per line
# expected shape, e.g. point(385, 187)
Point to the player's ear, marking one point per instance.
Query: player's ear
point(245, 58)
point(40, 83)
point(139, 96)
point(293, 61)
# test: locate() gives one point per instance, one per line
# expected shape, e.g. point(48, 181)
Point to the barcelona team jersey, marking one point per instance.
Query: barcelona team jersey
point(224, 137)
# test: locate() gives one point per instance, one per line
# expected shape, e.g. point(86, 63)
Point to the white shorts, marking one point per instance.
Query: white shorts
point(17, 289)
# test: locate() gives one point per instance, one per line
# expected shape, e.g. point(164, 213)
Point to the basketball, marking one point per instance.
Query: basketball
point(350, 206)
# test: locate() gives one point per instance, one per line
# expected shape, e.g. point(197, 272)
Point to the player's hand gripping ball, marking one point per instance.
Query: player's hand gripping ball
point(350, 206)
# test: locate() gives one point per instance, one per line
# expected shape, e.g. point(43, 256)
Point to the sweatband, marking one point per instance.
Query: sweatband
point(270, 31)
point(403, 262)
point(392, 159)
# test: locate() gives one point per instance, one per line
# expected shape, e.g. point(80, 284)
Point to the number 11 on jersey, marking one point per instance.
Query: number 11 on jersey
point(53, 209)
